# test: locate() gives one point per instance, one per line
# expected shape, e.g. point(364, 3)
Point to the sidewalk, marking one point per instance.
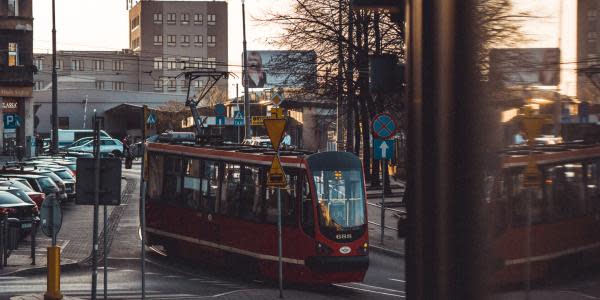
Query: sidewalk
point(74, 239)
point(391, 244)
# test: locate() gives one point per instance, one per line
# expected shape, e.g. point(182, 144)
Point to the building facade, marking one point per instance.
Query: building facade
point(16, 72)
point(588, 50)
point(173, 35)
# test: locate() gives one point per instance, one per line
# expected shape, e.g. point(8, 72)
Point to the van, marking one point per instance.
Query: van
point(67, 136)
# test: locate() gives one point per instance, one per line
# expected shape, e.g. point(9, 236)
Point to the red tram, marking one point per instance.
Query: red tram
point(564, 213)
point(211, 203)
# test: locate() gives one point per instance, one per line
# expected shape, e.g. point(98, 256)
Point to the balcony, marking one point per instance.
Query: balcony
point(17, 75)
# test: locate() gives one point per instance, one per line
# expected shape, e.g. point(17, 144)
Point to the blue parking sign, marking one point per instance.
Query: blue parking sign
point(12, 121)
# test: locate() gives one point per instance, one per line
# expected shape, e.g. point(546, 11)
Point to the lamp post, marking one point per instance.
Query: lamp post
point(247, 130)
point(54, 145)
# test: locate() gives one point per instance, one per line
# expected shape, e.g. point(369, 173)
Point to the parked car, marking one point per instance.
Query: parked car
point(107, 146)
point(36, 197)
point(40, 183)
point(65, 175)
point(17, 208)
point(78, 142)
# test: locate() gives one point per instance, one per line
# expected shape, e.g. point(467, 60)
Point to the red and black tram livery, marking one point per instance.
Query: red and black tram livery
point(211, 203)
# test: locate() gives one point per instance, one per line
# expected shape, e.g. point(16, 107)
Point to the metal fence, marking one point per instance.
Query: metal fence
point(10, 230)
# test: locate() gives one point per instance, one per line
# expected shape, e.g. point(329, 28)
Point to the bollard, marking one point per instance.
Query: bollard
point(2, 244)
point(33, 234)
point(5, 241)
point(53, 275)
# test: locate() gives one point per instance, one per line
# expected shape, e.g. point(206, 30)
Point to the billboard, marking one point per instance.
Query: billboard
point(273, 69)
point(525, 66)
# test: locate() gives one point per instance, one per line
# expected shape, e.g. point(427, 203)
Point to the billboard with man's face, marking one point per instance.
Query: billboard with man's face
point(274, 69)
point(525, 66)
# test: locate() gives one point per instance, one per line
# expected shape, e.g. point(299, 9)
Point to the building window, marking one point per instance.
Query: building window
point(158, 85)
point(211, 19)
point(197, 62)
point(13, 54)
point(99, 84)
point(117, 65)
point(135, 44)
point(135, 23)
point(171, 63)
point(185, 62)
point(98, 65)
point(171, 40)
point(157, 17)
point(171, 18)
point(198, 19)
point(211, 40)
point(39, 85)
point(198, 40)
point(63, 122)
point(39, 63)
point(59, 64)
point(211, 63)
point(158, 40)
point(77, 65)
point(198, 83)
point(172, 85)
point(118, 85)
point(185, 19)
point(185, 40)
point(13, 8)
point(158, 63)
point(183, 84)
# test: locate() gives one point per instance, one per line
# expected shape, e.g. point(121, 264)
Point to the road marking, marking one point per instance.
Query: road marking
point(369, 291)
point(399, 280)
point(379, 288)
point(10, 277)
point(228, 293)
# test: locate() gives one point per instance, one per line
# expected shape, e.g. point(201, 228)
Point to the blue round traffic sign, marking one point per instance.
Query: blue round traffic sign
point(383, 126)
point(220, 109)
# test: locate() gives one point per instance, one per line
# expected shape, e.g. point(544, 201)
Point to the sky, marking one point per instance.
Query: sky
point(103, 25)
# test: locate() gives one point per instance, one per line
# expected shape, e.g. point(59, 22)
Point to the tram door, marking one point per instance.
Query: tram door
point(210, 173)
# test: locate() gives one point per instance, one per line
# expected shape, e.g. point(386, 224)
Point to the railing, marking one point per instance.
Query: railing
point(384, 209)
point(9, 237)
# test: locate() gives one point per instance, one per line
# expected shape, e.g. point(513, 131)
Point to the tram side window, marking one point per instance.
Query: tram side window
point(210, 185)
point(563, 191)
point(155, 177)
point(172, 179)
point(191, 184)
point(593, 185)
point(289, 200)
point(230, 190)
point(251, 194)
point(518, 198)
point(308, 220)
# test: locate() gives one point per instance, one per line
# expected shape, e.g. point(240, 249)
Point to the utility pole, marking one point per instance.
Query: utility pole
point(247, 131)
point(54, 145)
point(237, 102)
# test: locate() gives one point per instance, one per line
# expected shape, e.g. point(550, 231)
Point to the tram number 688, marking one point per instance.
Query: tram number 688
point(343, 236)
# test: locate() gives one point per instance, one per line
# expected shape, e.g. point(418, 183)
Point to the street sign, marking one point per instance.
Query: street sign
point(276, 176)
point(258, 120)
point(238, 118)
point(151, 119)
point(110, 181)
point(220, 120)
point(276, 99)
point(532, 175)
point(12, 121)
point(275, 129)
point(220, 109)
point(383, 126)
point(51, 216)
point(383, 149)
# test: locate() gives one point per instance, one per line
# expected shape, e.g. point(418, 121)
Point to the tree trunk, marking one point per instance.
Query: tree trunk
point(350, 97)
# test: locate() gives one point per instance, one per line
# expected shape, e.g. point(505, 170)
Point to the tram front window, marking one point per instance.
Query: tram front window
point(340, 203)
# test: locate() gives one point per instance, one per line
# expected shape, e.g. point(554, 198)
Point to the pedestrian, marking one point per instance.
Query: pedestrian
point(287, 140)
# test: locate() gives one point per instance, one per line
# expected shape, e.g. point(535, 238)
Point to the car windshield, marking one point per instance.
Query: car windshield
point(53, 176)
point(63, 174)
point(47, 184)
point(340, 198)
point(21, 194)
point(7, 198)
point(16, 184)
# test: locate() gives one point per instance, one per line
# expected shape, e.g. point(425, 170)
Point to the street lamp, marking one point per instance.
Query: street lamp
point(247, 133)
point(54, 145)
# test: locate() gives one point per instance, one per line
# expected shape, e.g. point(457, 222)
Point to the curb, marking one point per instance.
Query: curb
point(386, 251)
point(43, 270)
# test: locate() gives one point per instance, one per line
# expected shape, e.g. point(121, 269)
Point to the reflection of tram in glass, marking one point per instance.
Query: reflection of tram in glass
point(211, 203)
point(565, 213)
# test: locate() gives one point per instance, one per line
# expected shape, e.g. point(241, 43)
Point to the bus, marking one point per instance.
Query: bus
point(211, 203)
point(563, 215)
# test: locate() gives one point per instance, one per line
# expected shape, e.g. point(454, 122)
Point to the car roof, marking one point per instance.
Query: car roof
point(12, 200)
point(34, 176)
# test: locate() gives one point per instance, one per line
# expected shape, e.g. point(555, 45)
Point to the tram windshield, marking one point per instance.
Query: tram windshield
point(340, 199)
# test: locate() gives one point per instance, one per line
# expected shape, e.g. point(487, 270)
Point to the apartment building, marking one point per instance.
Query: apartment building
point(173, 35)
point(16, 71)
point(588, 50)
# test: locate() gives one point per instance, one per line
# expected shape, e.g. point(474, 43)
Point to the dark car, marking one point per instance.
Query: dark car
point(21, 183)
point(40, 183)
point(66, 177)
point(62, 193)
point(17, 208)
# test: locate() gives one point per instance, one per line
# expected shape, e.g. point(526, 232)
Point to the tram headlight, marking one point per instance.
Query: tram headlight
point(323, 249)
point(364, 249)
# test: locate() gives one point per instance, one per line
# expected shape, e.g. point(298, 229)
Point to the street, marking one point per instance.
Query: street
point(171, 278)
